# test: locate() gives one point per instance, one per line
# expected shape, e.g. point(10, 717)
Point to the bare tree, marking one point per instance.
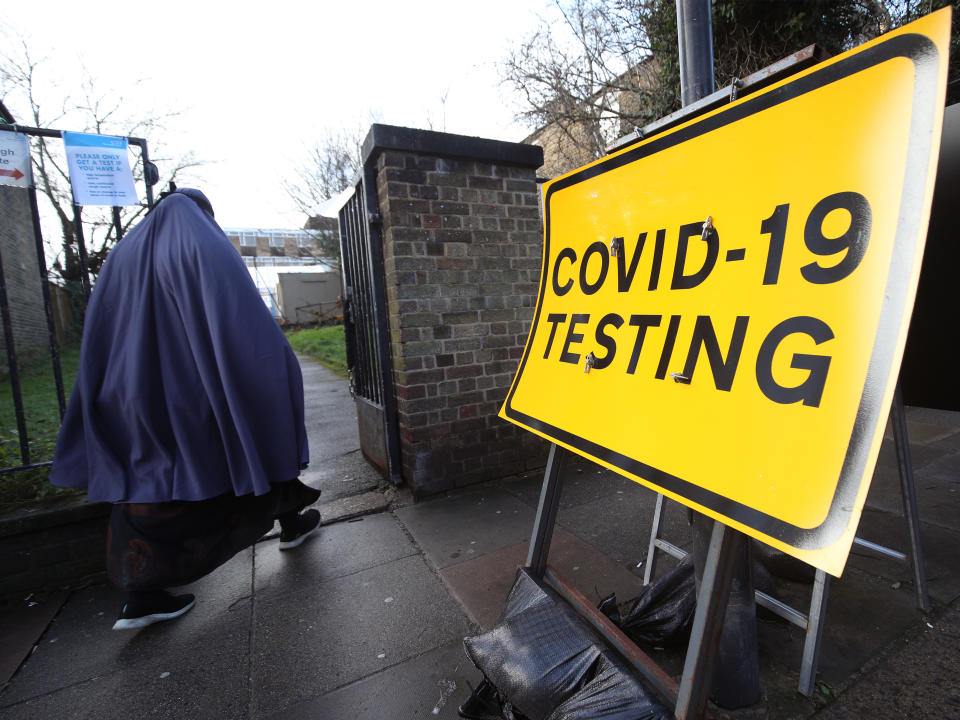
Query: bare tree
point(573, 75)
point(610, 65)
point(26, 92)
point(331, 166)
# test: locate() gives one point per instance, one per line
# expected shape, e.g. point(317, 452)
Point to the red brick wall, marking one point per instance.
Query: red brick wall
point(462, 245)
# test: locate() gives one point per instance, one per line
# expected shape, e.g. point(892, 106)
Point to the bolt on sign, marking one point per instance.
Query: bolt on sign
point(723, 308)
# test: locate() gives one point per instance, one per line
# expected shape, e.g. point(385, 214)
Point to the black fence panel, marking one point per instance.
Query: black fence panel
point(366, 325)
point(29, 459)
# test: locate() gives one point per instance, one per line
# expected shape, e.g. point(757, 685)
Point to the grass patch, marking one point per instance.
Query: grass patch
point(326, 345)
point(42, 415)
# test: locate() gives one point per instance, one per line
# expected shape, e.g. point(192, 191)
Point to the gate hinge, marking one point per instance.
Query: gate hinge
point(373, 218)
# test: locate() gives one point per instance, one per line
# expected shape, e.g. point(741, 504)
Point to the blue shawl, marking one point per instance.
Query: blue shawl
point(187, 388)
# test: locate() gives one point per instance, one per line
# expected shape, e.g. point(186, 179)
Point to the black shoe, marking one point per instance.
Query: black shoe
point(306, 524)
point(142, 609)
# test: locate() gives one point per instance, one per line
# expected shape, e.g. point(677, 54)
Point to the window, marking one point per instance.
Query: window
point(277, 238)
point(248, 239)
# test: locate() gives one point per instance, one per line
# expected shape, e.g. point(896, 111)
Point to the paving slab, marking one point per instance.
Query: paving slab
point(864, 614)
point(933, 416)
point(949, 442)
point(932, 431)
point(337, 466)
point(322, 386)
point(936, 466)
point(431, 685)
point(916, 679)
point(331, 634)
point(196, 686)
point(80, 645)
point(467, 524)
point(582, 481)
point(938, 490)
point(619, 524)
point(21, 623)
point(941, 552)
point(920, 457)
point(482, 585)
point(335, 551)
point(339, 476)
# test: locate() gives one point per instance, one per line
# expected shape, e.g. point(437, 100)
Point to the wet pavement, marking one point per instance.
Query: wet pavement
point(367, 618)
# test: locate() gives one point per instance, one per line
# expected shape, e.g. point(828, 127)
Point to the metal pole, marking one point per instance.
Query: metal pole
point(909, 491)
point(736, 678)
point(814, 633)
point(736, 682)
point(708, 623)
point(14, 370)
point(45, 290)
point(695, 36)
point(649, 572)
point(546, 513)
point(145, 158)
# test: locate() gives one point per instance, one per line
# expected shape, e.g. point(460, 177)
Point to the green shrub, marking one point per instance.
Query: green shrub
point(42, 417)
point(326, 345)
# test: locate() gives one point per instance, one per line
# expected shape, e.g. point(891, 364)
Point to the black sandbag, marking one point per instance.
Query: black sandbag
point(544, 659)
point(662, 613)
point(612, 694)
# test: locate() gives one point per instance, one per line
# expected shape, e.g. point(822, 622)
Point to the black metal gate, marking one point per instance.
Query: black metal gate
point(28, 459)
point(367, 329)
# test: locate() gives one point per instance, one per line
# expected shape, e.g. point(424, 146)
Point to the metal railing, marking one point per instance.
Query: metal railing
point(365, 320)
point(27, 460)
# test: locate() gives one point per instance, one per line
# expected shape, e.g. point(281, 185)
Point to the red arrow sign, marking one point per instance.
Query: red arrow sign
point(15, 174)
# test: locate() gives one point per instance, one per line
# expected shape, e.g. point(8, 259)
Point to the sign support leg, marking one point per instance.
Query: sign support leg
point(722, 553)
point(908, 489)
point(546, 513)
point(649, 570)
point(814, 634)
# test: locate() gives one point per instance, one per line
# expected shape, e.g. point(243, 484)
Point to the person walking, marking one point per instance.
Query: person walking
point(187, 412)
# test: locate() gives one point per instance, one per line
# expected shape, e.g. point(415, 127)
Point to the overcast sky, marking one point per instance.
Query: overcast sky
point(256, 84)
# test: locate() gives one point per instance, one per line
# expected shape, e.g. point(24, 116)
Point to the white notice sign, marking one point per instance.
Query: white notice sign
point(99, 169)
point(15, 160)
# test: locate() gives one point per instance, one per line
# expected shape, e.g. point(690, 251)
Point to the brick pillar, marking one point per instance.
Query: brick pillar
point(462, 244)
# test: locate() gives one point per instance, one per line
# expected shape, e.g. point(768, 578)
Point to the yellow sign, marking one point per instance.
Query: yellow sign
point(723, 308)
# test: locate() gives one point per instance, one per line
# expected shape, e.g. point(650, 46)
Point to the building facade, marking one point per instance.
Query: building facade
point(282, 243)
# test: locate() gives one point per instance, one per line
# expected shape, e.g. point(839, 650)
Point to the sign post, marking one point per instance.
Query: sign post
point(729, 662)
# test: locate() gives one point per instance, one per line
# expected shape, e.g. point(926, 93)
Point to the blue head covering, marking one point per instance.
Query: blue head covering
point(187, 388)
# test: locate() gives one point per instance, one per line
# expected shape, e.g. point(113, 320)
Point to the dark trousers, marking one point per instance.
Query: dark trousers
point(152, 546)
